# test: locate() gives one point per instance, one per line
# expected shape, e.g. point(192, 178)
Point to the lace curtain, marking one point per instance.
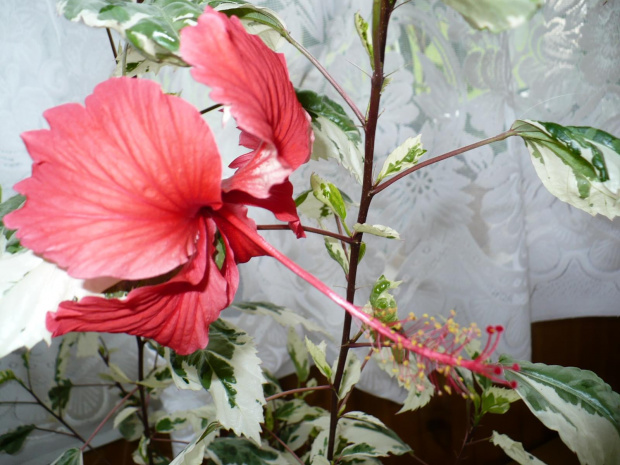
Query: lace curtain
point(480, 233)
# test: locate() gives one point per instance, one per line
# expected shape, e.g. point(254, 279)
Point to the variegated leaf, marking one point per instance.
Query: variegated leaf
point(194, 452)
point(282, 315)
point(151, 27)
point(367, 436)
point(514, 450)
point(351, 375)
point(578, 165)
point(403, 157)
point(230, 370)
point(363, 31)
point(335, 134)
point(336, 252)
point(329, 194)
point(239, 451)
point(298, 352)
point(577, 404)
point(318, 356)
point(70, 457)
point(376, 230)
point(13, 440)
point(495, 15)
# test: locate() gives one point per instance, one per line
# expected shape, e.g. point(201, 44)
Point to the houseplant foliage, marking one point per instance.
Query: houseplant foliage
point(147, 237)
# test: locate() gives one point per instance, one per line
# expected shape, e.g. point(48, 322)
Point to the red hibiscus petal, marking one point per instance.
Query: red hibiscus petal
point(176, 314)
point(280, 202)
point(245, 74)
point(117, 185)
point(241, 243)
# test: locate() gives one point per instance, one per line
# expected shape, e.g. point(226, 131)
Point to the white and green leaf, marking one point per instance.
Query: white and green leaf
point(318, 354)
point(350, 376)
point(336, 252)
point(70, 457)
point(579, 165)
point(577, 404)
point(239, 451)
point(514, 450)
point(230, 370)
point(376, 230)
point(329, 194)
point(402, 158)
point(298, 352)
point(194, 452)
point(367, 436)
point(13, 440)
point(257, 20)
point(363, 31)
point(152, 28)
point(420, 393)
point(495, 15)
point(282, 315)
point(335, 134)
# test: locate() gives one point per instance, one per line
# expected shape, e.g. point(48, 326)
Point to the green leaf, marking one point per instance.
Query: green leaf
point(579, 165)
point(335, 134)
point(367, 436)
point(230, 370)
point(514, 450)
point(576, 403)
point(12, 244)
point(8, 375)
point(497, 400)
point(362, 28)
point(12, 441)
point(59, 394)
point(402, 158)
point(495, 15)
point(299, 355)
point(336, 252)
point(318, 356)
point(417, 398)
point(152, 27)
point(376, 230)
point(329, 194)
point(382, 299)
point(238, 451)
point(70, 457)
point(282, 315)
point(297, 410)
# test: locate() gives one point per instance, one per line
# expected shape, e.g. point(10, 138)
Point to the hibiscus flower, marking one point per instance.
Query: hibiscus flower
point(130, 186)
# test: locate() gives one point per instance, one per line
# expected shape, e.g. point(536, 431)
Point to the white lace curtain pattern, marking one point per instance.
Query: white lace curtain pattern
point(480, 233)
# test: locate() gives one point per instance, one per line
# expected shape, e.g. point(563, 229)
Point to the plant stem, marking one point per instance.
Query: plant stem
point(330, 79)
point(297, 390)
point(322, 232)
point(111, 42)
point(453, 153)
point(145, 415)
point(288, 449)
point(381, 15)
point(107, 417)
point(53, 431)
point(211, 108)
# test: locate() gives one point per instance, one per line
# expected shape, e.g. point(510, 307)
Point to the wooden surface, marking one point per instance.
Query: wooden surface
point(436, 432)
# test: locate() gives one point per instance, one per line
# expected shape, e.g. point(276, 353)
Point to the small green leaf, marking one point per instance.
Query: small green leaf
point(70, 457)
point(578, 165)
point(495, 15)
point(230, 370)
point(297, 410)
point(497, 400)
point(382, 299)
point(298, 352)
point(318, 356)
point(329, 194)
point(12, 441)
point(12, 244)
point(403, 157)
point(128, 424)
point(8, 375)
point(362, 28)
point(59, 394)
point(514, 450)
point(376, 230)
point(420, 393)
point(576, 403)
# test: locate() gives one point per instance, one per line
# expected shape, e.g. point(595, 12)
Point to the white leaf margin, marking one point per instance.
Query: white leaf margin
point(514, 450)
